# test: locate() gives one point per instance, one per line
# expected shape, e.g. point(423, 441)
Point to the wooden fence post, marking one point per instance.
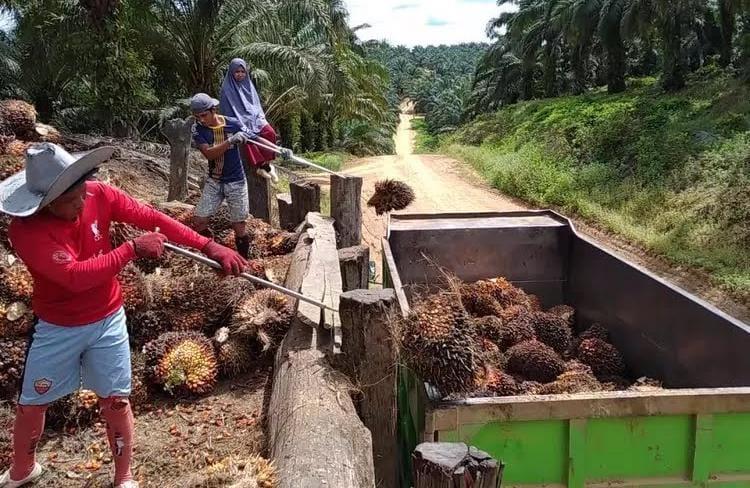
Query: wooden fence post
point(286, 217)
point(259, 193)
point(305, 199)
point(368, 344)
point(454, 465)
point(355, 267)
point(178, 133)
point(346, 209)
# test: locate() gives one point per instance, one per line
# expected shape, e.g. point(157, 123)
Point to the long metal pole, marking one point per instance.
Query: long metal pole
point(247, 276)
point(294, 158)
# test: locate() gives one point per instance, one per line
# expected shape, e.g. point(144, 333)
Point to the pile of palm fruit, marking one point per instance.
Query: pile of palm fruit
point(490, 338)
point(189, 327)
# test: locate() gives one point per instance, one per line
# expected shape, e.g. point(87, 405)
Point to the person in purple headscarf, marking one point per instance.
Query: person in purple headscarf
point(240, 100)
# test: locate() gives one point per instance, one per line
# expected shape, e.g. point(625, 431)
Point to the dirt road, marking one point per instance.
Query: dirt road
point(442, 184)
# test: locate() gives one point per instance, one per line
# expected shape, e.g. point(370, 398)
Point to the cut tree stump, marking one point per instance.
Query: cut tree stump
point(454, 465)
point(355, 267)
point(316, 438)
point(260, 194)
point(369, 348)
point(178, 133)
point(286, 215)
point(305, 199)
point(346, 209)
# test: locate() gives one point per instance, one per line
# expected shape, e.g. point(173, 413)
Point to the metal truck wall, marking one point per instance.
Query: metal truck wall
point(662, 331)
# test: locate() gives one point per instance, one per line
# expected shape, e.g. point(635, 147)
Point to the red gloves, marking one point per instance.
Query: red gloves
point(149, 245)
point(230, 261)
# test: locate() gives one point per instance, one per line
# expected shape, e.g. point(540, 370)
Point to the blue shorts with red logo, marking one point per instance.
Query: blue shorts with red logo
point(62, 360)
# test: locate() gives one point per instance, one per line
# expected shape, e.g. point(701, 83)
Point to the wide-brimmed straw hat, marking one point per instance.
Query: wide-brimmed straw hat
point(50, 172)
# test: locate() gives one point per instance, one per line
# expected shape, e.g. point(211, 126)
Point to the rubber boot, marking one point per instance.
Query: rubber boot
point(243, 246)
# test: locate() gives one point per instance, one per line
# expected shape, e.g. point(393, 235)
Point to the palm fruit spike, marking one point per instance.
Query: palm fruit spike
point(390, 195)
point(438, 342)
point(253, 472)
point(17, 117)
point(551, 330)
point(603, 358)
point(182, 362)
point(572, 381)
point(17, 149)
point(265, 315)
point(535, 361)
point(234, 354)
point(12, 360)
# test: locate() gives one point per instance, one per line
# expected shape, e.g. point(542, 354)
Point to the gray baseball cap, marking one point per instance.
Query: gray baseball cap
point(202, 102)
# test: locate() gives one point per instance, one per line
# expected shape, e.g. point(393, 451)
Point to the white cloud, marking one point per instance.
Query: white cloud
point(423, 22)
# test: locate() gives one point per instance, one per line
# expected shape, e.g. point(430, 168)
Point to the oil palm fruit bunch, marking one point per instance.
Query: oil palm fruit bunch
point(505, 333)
point(491, 381)
point(439, 343)
point(12, 360)
point(491, 297)
point(391, 195)
point(10, 165)
point(7, 416)
point(577, 378)
point(233, 353)
point(139, 392)
point(565, 312)
point(603, 358)
point(253, 472)
point(135, 292)
point(182, 363)
point(265, 315)
point(147, 325)
point(47, 133)
point(16, 283)
point(16, 319)
point(17, 117)
point(534, 360)
point(552, 330)
point(596, 331)
point(282, 243)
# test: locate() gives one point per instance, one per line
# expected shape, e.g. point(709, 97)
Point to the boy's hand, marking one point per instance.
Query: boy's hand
point(238, 138)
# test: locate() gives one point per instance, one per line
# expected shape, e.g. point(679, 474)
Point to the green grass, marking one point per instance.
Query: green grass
point(329, 160)
point(425, 142)
point(669, 172)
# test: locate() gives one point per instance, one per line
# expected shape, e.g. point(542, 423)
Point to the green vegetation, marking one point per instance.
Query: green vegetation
point(670, 172)
point(425, 142)
point(122, 67)
point(436, 78)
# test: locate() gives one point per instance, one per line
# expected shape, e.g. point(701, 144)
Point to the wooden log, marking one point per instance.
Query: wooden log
point(346, 209)
point(454, 465)
point(260, 194)
point(370, 349)
point(355, 267)
point(316, 438)
point(305, 199)
point(178, 133)
point(286, 215)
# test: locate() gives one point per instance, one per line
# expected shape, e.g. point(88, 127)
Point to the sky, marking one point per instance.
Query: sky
point(423, 22)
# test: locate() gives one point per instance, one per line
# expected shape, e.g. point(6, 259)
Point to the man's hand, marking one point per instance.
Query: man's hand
point(231, 262)
point(238, 138)
point(286, 154)
point(149, 245)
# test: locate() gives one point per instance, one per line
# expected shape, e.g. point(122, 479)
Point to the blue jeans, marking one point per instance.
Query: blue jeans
point(62, 360)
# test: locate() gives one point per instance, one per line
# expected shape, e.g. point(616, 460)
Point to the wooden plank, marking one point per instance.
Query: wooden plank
point(395, 279)
point(346, 209)
point(366, 319)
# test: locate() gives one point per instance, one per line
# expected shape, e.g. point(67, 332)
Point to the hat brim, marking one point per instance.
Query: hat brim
point(18, 200)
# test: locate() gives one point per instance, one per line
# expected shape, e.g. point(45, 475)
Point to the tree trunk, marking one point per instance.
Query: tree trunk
point(305, 199)
point(550, 70)
point(346, 209)
point(616, 66)
point(578, 61)
point(177, 132)
point(727, 20)
point(674, 66)
point(260, 196)
point(454, 465)
point(355, 267)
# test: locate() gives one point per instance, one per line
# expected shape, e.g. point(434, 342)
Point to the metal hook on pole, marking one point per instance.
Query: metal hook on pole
point(296, 159)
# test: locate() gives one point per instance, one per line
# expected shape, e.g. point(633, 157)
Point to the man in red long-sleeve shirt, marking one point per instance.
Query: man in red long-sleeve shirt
point(61, 233)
